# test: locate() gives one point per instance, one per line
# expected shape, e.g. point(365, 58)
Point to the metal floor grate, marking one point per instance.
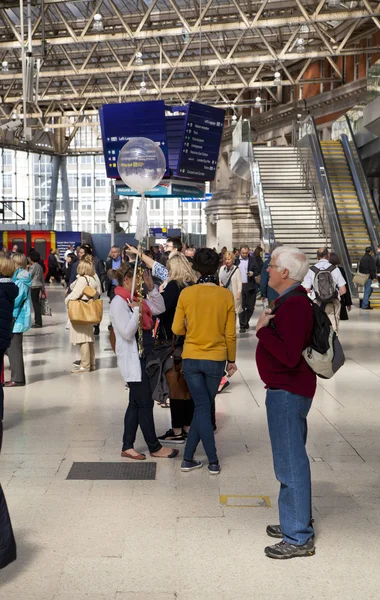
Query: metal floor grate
point(112, 471)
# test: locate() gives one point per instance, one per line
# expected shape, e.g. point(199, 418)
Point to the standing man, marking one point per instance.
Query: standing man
point(290, 387)
point(333, 288)
point(248, 270)
point(367, 267)
point(377, 262)
point(113, 262)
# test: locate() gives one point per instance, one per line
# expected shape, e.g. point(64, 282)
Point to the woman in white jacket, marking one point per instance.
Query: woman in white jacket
point(230, 278)
point(125, 315)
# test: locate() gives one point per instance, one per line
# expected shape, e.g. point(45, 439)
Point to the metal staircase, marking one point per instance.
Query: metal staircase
point(346, 200)
point(295, 215)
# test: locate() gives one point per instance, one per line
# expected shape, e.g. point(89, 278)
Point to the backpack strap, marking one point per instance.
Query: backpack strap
point(315, 269)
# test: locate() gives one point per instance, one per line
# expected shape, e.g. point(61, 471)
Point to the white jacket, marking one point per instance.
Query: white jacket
point(125, 323)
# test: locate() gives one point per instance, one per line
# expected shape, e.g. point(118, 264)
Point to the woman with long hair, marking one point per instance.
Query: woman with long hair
point(82, 334)
point(125, 318)
point(181, 275)
point(22, 316)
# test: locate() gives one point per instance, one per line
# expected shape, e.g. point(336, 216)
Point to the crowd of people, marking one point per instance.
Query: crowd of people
point(174, 329)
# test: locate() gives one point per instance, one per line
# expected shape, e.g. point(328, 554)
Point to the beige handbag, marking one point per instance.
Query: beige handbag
point(360, 278)
point(86, 312)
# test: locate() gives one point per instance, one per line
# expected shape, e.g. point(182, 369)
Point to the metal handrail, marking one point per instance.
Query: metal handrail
point(311, 153)
point(267, 230)
point(368, 215)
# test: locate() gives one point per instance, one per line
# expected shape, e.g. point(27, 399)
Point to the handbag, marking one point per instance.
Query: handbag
point(360, 278)
point(89, 291)
point(178, 389)
point(45, 305)
point(86, 312)
point(8, 551)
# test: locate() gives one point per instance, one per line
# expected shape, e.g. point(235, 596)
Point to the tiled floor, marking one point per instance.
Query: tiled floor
point(172, 538)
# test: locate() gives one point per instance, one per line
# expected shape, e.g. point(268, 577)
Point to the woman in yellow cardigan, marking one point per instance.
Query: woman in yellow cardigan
point(206, 316)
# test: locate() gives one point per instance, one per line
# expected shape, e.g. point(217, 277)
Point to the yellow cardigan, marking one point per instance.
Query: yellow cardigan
point(206, 316)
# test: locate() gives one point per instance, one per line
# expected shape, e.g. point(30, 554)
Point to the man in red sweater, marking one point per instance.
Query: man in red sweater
point(290, 387)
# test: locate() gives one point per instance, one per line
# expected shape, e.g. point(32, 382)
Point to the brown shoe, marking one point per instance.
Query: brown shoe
point(125, 454)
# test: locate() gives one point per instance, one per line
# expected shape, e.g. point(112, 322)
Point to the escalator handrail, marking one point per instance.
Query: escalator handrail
point(336, 231)
point(362, 197)
point(360, 162)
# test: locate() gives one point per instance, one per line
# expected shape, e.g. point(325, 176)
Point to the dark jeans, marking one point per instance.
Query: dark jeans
point(287, 425)
point(16, 358)
point(203, 379)
point(182, 412)
point(53, 273)
point(140, 413)
point(248, 303)
point(35, 293)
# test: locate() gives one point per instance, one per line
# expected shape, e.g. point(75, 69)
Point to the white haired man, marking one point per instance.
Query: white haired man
point(290, 387)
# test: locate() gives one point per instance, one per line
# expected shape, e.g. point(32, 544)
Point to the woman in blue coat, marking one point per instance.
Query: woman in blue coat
point(22, 320)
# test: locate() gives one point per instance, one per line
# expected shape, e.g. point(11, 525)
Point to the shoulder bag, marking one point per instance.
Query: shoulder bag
point(226, 285)
point(360, 278)
point(86, 312)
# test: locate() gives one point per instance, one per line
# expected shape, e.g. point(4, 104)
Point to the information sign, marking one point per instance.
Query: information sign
point(201, 143)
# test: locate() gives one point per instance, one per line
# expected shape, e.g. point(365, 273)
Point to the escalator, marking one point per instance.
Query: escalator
point(341, 188)
point(346, 200)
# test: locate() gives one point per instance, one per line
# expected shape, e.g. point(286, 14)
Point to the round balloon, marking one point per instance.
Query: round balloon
point(141, 164)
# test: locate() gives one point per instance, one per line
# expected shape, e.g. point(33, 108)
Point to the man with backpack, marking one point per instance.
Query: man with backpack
point(284, 333)
point(325, 284)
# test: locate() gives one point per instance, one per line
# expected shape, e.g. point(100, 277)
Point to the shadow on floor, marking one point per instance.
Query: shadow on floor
point(26, 551)
point(36, 413)
point(46, 376)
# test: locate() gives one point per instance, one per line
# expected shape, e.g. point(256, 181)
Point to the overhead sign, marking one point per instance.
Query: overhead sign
point(172, 188)
point(205, 199)
point(190, 142)
point(201, 143)
point(122, 122)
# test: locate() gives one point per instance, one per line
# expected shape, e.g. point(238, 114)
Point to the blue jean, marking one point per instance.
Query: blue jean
point(367, 293)
point(203, 379)
point(287, 425)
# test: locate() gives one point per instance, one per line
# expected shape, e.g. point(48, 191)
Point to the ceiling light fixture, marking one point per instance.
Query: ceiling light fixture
point(98, 23)
point(139, 59)
point(333, 3)
point(143, 85)
point(300, 46)
point(5, 66)
point(277, 78)
point(47, 129)
point(234, 119)
point(304, 28)
point(258, 102)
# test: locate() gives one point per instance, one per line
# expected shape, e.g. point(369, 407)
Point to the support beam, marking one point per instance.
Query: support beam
point(53, 191)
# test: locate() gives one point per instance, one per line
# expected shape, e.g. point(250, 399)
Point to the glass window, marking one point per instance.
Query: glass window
point(7, 181)
point(20, 243)
point(86, 180)
point(155, 204)
point(86, 160)
point(99, 159)
point(86, 204)
point(40, 247)
point(100, 182)
point(7, 157)
point(72, 160)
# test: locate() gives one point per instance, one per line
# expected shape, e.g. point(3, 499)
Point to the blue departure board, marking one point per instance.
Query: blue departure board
point(121, 122)
point(190, 141)
point(201, 142)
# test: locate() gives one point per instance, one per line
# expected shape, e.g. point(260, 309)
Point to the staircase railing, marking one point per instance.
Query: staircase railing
point(369, 209)
point(313, 162)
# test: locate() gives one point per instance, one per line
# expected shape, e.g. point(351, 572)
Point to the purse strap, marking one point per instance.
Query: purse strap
point(230, 277)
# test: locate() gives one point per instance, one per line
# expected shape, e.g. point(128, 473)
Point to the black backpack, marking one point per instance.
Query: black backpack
point(325, 354)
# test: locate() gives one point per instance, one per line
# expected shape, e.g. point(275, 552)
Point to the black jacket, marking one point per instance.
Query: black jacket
point(367, 266)
point(8, 294)
point(254, 267)
point(52, 262)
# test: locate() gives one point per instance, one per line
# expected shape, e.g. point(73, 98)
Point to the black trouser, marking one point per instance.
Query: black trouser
point(53, 272)
point(140, 412)
point(111, 292)
point(248, 302)
point(1, 398)
point(16, 359)
point(181, 413)
point(35, 293)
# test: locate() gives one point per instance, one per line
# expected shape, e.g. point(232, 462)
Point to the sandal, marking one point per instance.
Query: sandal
point(172, 455)
point(125, 454)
